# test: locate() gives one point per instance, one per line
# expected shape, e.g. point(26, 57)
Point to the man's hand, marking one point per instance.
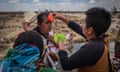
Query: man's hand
point(60, 45)
point(60, 17)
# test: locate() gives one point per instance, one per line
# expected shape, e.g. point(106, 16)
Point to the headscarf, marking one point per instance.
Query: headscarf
point(23, 59)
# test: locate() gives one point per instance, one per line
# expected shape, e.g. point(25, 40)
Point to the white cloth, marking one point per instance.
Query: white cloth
point(51, 48)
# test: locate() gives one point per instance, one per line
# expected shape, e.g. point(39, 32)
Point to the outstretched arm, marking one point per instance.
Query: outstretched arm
point(71, 24)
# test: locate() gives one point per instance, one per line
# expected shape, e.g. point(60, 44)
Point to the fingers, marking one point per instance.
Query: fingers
point(60, 17)
point(57, 15)
point(25, 25)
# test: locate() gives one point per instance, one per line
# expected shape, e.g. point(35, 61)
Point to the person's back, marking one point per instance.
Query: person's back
point(100, 51)
point(26, 52)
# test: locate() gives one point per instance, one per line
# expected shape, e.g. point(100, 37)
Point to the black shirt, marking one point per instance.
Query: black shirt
point(87, 55)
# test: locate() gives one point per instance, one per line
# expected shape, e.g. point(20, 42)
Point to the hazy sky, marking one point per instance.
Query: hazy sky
point(64, 5)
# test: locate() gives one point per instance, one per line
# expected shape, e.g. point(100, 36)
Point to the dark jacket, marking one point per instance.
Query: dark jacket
point(87, 55)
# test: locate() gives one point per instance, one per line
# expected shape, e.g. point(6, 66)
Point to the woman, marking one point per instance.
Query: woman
point(27, 51)
point(44, 25)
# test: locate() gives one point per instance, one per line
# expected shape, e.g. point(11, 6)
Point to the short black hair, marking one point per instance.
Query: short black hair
point(99, 19)
point(30, 37)
point(41, 17)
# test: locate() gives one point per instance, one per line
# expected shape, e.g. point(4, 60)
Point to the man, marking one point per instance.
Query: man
point(93, 56)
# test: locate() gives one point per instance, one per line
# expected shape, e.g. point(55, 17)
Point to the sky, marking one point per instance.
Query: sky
point(56, 5)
